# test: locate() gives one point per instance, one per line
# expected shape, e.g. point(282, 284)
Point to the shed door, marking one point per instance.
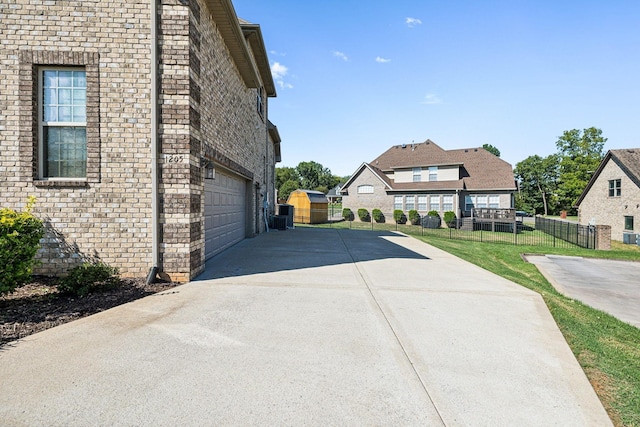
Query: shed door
point(224, 212)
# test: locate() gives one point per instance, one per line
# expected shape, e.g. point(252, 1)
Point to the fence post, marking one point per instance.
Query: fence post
point(554, 234)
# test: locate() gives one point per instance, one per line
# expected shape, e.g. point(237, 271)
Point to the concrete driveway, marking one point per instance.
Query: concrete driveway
point(608, 285)
point(309, 327)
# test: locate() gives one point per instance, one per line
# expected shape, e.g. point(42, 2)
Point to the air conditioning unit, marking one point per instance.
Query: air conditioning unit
point(630, 239)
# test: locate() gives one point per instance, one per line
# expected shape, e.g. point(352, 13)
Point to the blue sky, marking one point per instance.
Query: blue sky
point(356, 77)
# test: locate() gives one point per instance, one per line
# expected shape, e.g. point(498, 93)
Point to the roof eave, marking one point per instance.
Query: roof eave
point(225, 17)
point(254, 35)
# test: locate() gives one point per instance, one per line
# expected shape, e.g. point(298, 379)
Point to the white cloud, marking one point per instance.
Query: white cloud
point(431, 99)
point(382, 60)
point(278, 72)
point(276, 53)
point(412, 22)
point(341, 55)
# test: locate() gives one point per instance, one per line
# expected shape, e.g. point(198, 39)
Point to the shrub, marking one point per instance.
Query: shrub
point(399, 216)
point(20, 234)
point(414, 217)
point(347, 214)
point(450, 218)
point(377, 215)
point(433, 213)
point(363, 214)
point(87, 278)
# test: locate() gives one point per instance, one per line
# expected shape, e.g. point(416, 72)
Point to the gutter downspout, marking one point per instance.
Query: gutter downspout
point(153, 271)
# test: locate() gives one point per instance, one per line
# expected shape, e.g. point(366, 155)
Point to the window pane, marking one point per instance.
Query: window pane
point(411, 202)
point(79, 114)
point(628, 223)
point(397, 202)
point(64, 114)
point(66, 152)
point(434, 202)
point(447, 203)
point(65, 78)
point(50, 114)
point(422, 203)
point(79, 79)
point(50, 96)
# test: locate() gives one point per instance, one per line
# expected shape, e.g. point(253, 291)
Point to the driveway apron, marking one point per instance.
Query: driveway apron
point(309, 327)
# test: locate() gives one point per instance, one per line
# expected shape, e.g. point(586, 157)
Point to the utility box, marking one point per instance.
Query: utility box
point(286, 211)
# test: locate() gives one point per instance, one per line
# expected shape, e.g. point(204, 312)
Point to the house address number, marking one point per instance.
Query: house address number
point(175, 158)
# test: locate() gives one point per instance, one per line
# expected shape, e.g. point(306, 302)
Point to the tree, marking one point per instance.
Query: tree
point(288, 187)
point(314, 176)
point(490, 148)
point(580, 153)
point(537, 180)
point(285, 174)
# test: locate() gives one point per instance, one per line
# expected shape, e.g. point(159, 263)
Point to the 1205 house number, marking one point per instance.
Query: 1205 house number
point(175, 158)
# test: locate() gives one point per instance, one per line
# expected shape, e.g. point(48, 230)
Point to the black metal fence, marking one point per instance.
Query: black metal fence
point(579, 235)
point(525, 231)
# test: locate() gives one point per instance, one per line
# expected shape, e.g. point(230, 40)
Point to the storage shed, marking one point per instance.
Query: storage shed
point(310, 207)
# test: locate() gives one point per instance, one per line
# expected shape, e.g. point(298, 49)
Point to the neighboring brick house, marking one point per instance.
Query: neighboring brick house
point(140, 126)
point(612, 196)
point(426, 177)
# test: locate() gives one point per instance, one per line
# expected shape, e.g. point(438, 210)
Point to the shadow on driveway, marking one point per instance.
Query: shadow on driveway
point(301, 248)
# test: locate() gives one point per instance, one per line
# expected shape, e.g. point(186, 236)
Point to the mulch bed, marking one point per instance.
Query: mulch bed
point(38, 305)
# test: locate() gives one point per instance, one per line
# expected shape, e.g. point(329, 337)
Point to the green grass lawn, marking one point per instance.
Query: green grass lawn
point(607, 349)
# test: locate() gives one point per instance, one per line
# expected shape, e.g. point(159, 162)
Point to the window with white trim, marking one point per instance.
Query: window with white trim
point(447, 203)
point(482, 201)
point(62, 123)
point(365, 189)
point(615, 188)
point(494, 201)
point(433, 173)
point(417, 174)
point(434, 203)
point(397, 202)
point(422, 203)
point(410, 202)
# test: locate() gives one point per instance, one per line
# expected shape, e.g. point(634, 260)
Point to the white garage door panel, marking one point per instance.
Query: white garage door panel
point(224, 212)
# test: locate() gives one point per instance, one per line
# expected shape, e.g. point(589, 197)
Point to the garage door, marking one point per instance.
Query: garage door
point(224, 213)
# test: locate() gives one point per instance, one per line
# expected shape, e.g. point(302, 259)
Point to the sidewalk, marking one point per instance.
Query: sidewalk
point(309, 327)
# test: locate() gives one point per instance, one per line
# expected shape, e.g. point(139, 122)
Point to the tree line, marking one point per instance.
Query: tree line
point(548, 185)
point(307, 176)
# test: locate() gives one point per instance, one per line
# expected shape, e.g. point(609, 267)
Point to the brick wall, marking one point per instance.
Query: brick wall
point(206, 111)
point(108, 216)
point(598, 208)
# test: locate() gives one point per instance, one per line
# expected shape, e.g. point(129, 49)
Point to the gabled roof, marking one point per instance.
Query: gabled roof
point(627, 159)
point(375, 171)
point(479, 169)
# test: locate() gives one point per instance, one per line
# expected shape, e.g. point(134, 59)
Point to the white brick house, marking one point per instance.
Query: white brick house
point(426, 177)
point(141, 126)
point(612, 196)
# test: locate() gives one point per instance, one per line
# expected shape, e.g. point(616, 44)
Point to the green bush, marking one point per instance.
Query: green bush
point(347, 214)
point(363, 214)
point(399, 216)
point(414, 217)
point(88, 277)
point(450, 219)
point(20, 234)
point(377, 215)
point(433, 213)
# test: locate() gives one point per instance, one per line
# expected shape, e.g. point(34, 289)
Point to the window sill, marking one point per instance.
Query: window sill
point(60, 183)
